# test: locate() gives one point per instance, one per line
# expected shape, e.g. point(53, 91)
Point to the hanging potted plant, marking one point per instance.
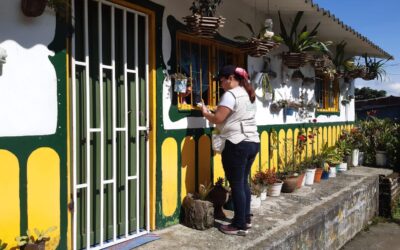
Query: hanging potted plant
point(258, 44)
point(299, 42)
point(374, 68)
point(203, 22)
point(32, 242)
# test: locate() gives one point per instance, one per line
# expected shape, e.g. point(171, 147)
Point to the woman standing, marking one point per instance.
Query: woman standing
point(235, 119)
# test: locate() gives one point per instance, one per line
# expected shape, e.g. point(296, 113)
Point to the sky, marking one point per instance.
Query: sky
point(379, 21)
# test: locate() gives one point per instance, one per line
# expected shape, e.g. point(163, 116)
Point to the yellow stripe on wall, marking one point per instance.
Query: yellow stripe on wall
point(320, 139)
point(256, 165)
point(169, 169)
point(330, 141)
point(204, 153)
point(264, 150)
point(9, 193)
point(289, 145)
point(281, 149)
point(187, 166)
point(43, 189)
point(218, 169)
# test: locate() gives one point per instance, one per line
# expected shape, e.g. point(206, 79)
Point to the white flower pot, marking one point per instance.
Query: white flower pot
point(275, 189)
point(255, 201)
point(310, 174)
point(332, 172)
point(342, 167)
point(354, 157)
point(381, 158)
point(268, 96)
point(263, 195)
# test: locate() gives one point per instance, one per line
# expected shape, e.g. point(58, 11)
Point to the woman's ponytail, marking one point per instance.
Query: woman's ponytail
point(243, 78)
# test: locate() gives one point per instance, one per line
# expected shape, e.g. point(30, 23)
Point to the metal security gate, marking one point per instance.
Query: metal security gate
point(109, 68)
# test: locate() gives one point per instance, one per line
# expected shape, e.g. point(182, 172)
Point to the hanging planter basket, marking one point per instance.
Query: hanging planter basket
point(321, 63)
point(293, 60)
point(204, 26)
point(257, 47)
point(370, 76)
point(33, 8)
point(356, 73)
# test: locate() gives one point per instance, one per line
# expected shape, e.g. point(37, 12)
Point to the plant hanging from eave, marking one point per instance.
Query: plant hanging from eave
point(302, 41)
point(205, 8)
point(203, 22)
point(258, 44)
point(375, 68)
point(299, 42)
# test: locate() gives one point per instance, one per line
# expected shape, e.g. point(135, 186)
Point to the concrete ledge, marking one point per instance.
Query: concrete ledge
point(323, 216)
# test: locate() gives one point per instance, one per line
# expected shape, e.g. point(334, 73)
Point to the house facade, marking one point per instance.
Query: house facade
point(94, 138)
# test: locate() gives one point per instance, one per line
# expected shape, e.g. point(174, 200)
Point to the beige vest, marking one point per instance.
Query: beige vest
point(240, 125)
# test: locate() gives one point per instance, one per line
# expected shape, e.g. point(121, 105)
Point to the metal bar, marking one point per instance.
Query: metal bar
point(74, 142)
point(137, 121)
point(124, 129)
point(80, 63)
point(133, 177)
point(131, 71)
point(147, 124)
point(80, 186)
point(94, 130)
point(104, 66)
point(111, 181)
point(86, 39)
point(114, 121)
point(124, 42)
point(102, 134)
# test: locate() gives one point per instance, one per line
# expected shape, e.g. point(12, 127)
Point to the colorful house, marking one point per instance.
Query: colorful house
point(95, 141)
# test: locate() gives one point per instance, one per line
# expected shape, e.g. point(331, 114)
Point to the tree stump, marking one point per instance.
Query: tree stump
point(198, 214)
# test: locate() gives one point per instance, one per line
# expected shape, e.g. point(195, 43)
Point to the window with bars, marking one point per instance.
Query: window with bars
point(199, 60)
point(327, 94)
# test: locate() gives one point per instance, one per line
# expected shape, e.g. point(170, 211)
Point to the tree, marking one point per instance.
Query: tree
point(368, 93)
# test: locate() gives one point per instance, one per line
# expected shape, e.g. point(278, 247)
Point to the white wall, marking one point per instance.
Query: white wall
point(284, 87)
point(28, 83)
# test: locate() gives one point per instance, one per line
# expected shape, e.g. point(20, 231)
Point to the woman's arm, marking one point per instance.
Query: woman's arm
point(219, 116)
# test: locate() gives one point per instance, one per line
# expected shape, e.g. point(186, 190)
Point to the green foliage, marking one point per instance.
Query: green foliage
point(327, 155)
point(380, 134)
point(3, 245)
point(300, 41)
point(205, 7)
point(41, 236)
point(375, 68)
point(368, 93)
point(259, 35)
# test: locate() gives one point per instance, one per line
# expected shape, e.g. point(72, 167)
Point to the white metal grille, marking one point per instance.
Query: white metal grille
point(84, 153)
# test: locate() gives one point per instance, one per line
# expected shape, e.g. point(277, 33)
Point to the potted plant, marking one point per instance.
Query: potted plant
point(218, 195)
point(344, 150)
point(273, 182)
point(374, 67)
point(288, 175)
point(262, 80)
point(32, 242)
point(298, 42)
point(182, 86)
point(203, 22)
point(255, 190)
point(258, 44)
point(197, 211)
point(260, 179)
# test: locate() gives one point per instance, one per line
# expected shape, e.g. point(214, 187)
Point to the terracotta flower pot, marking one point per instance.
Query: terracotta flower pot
point(300, 180)
point(318, 174)
point(33, 8)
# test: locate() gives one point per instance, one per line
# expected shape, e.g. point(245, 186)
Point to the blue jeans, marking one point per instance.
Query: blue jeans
point(237, 160)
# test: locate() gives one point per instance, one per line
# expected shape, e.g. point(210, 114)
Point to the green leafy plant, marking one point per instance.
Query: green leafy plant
point(205, 7)
point(375, 68)
point(38, 238)
point(262, 33)
point(300, 41)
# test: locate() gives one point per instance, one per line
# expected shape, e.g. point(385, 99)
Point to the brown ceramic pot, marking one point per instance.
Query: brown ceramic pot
point(300, 180)
point(318, 174)
point(290, 184)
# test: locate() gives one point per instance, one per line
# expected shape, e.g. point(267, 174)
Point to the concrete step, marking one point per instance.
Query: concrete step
point(323, 216)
